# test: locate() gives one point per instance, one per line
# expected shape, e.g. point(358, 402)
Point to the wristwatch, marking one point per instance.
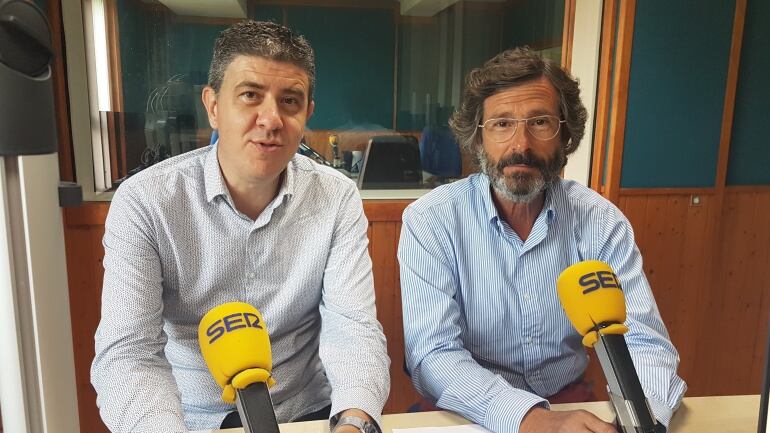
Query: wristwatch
point(359, 423)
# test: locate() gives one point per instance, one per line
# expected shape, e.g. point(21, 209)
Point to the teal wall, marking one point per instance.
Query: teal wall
point(190, 49)
point(423, 76)
point(419, 64)
point(355, 50)
point(135, 52)
point(155, 48)
point(749, 162)
point(535, 23)
point(355, 57)
point(483, 33)
point(676, 93)
point(428, 65)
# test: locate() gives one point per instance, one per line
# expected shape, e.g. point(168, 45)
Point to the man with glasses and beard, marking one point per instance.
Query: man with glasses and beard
point(483, 254)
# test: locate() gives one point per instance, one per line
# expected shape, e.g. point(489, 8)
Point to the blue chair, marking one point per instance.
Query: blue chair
point(440, 153)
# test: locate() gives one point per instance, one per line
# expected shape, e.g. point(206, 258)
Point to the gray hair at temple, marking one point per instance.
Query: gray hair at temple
point(262, 39)
point(511, 68)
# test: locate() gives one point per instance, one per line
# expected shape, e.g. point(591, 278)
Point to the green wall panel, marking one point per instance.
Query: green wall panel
point(190, 45)
point(135, 48)
point(420, 72)
point(354, 65)
point(158, 50)
point(537, 23)
point(676, 93)
point(190, 48)
point(749, 162)
point(261, 12)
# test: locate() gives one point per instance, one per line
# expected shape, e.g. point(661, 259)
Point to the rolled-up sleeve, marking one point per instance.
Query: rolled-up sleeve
point(352, 344)
point(136, 391)
point(440, 365)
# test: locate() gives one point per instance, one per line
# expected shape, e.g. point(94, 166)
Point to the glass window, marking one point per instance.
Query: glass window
point(384, 68)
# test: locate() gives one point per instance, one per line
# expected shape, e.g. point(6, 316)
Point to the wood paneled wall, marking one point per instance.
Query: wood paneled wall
point(384, 231)
point(83, 231)
point(705, 266)
point(732, 340)
point(673, 237)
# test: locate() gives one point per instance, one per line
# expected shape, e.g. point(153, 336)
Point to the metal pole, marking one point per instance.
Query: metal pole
point(37, 368)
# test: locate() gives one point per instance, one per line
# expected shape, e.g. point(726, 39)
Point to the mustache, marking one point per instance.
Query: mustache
point(523, 158)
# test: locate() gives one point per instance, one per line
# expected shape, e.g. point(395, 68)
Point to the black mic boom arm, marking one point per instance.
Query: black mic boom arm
point(631, 406)
point(255, 408)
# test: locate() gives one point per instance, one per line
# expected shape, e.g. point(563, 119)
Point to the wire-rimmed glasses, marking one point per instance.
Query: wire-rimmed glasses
point(502, 129)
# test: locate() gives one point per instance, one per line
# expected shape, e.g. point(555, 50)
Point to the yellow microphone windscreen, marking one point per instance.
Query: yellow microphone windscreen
point(233, 339)
point(591, 295)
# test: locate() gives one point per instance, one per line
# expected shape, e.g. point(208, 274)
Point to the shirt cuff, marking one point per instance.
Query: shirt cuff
point(357, 398)
point(508, 409)
point(661, 411)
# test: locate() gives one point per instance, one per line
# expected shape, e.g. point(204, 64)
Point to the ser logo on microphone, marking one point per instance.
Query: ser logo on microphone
point(599, 280)
point(230, 323)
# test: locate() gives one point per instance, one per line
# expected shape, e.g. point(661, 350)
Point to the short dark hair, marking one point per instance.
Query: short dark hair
point(511, 68)
point(263, 39)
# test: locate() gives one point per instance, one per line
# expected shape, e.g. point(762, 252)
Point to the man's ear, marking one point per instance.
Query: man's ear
point(209, 98)
point(310, 109)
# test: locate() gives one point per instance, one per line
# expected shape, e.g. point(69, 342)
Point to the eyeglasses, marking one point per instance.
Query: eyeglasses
point(541, 127)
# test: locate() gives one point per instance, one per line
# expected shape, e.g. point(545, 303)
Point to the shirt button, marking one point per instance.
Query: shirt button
point(526, 296)
point(528, 340)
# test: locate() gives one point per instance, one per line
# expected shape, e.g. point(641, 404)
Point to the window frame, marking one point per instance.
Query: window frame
point(87, 134)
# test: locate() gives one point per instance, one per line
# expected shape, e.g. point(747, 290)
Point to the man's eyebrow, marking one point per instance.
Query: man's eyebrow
point(294, 91)
point(250, 84)
point(532, 113)
point(542, 112)
point(503, 115)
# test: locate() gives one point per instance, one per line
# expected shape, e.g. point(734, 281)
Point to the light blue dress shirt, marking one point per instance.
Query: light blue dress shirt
point(485, 333)
point(175, 246)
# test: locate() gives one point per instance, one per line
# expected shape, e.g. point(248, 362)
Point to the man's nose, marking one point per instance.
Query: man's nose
point(521, 138)
point(268, 117)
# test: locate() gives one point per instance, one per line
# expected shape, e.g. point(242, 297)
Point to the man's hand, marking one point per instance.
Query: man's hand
point(539, 420)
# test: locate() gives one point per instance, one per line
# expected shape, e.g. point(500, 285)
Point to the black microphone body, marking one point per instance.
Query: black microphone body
point(255, 407)
point(625, 391)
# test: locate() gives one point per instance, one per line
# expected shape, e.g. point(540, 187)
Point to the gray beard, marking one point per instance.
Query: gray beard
point(516, 189)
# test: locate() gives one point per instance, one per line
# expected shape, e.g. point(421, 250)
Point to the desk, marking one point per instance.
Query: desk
point(724, 414)
point(392, 194)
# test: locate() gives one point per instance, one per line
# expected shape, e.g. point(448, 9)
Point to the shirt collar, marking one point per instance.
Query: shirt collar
point(549, 206)
point(485, 188)
point(212, 175)
point(288, 180)
point(215, 184)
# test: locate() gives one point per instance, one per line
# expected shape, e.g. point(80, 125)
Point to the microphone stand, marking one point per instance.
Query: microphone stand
point(255, 408)
point(626, 395)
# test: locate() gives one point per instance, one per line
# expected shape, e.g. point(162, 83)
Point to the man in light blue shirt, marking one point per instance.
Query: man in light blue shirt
point(485, 333)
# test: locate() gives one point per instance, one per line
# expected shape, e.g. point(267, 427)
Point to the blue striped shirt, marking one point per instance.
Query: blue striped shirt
point(485, 333)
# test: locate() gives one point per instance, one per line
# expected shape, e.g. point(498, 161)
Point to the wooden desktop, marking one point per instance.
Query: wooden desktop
point(722, 414)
